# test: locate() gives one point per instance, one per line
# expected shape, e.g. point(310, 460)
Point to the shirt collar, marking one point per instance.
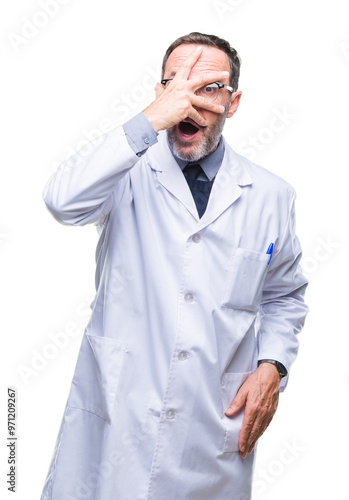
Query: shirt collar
point(210, 164)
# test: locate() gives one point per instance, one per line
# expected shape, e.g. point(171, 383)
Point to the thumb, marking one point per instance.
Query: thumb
point(236, 405)
point(158, 90)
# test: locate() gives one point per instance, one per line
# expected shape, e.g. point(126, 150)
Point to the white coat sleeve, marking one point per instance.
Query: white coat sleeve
point(83, 188)
point(282, 310)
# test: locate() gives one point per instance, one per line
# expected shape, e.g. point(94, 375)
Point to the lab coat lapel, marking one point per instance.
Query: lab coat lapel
point(227, 187)
point(170, 175)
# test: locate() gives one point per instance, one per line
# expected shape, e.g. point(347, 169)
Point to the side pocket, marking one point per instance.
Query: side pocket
point(230, 384)
point(97, 375)
point(245, 279)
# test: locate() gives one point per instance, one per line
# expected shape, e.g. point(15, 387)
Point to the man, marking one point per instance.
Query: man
point(172, 386)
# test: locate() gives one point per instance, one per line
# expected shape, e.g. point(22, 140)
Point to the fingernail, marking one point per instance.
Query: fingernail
point(242, 449)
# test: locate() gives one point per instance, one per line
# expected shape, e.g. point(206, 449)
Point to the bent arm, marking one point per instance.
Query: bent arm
point(282, 309)
point(282, 315)
point(82, 189)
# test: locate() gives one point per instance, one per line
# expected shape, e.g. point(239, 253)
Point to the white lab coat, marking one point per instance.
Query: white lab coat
point(172, 331)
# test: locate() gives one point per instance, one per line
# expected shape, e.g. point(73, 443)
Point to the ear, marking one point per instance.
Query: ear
point(234, 103)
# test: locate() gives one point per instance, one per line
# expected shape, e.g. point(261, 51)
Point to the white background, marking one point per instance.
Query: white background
point(92, 65)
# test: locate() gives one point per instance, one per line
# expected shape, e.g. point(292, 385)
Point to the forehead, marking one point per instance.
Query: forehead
point(211, 59)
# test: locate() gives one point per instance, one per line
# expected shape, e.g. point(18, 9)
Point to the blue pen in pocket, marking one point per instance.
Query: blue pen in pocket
point(270, 251)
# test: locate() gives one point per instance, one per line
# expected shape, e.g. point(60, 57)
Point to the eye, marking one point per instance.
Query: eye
point(210, 89)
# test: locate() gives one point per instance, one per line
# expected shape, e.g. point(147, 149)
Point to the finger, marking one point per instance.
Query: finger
point(186, 67)
point(195, 115)
point(256, 432)
point(159, 90)
point(206, 78)
point(246, 428)
point(263, 427)
point(260, 424)
point(201, 102)
point(237, 403)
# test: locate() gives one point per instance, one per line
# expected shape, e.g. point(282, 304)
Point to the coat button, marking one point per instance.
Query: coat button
point(170, 414)
point(146, 140)
point(183, 355)
point(196, 238)
point(189, 297)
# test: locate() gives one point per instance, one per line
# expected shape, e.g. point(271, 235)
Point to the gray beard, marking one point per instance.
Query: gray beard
point(209, 142)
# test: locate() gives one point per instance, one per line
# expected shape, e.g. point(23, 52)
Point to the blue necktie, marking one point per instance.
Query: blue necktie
point(200, 189)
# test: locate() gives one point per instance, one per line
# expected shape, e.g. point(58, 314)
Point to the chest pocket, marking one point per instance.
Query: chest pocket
point(245, 279)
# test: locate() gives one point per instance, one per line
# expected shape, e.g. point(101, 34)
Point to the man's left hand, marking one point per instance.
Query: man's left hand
point(260, 393)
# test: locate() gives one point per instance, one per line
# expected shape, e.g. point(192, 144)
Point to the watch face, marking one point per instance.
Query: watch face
point(281, 369)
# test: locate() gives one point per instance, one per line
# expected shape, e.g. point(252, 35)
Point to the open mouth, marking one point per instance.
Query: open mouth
point(187, 130)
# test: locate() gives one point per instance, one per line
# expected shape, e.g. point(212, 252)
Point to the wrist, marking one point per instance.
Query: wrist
point(155, 122)
point(278, 366)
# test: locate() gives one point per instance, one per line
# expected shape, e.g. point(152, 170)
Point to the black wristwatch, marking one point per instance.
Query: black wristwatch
point(280, 367)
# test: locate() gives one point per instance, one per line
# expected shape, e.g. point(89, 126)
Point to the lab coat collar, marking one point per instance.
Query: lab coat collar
point(227, 187)
point(210, 164)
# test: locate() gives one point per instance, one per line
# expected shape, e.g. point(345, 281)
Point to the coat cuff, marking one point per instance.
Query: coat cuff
point(140, 134)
